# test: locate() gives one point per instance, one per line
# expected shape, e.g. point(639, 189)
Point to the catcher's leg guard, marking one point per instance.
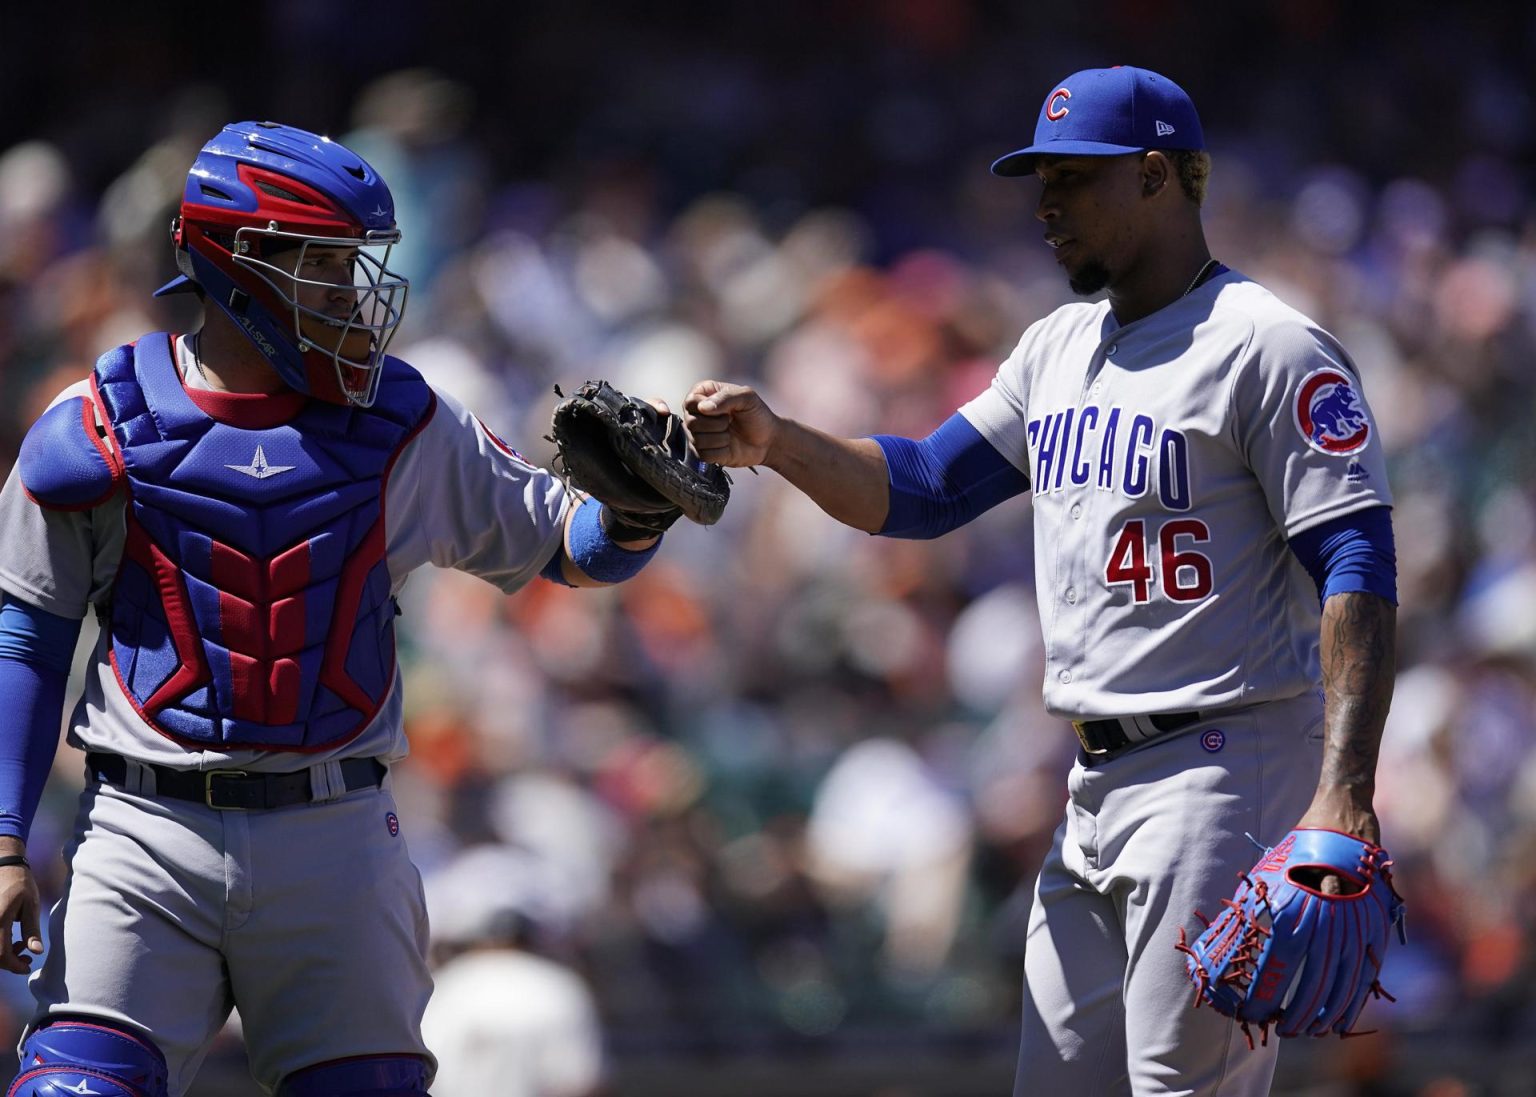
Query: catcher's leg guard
point(364, 1076)
point(69, 1057)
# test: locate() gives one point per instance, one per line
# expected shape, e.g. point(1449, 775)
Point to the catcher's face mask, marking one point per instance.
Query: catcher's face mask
point(342, 300)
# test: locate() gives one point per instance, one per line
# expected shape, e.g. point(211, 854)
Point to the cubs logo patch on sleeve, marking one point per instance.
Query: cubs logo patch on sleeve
point(1329, 414)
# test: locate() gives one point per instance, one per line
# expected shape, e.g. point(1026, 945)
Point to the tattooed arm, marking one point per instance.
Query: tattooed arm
point(1358, 656)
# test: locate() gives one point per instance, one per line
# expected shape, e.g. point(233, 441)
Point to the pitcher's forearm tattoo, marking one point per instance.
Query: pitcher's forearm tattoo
point(1359, 661)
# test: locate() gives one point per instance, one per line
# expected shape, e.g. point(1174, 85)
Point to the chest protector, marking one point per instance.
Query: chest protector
point(252, 607)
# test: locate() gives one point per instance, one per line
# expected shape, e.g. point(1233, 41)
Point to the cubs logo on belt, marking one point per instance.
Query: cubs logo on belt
point(1329, 414)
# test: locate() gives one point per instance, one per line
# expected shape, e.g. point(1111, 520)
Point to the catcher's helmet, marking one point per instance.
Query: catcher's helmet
point(260, 189)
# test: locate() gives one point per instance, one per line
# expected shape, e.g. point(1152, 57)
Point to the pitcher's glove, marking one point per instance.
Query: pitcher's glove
point(636, 461)
point(1284, 954)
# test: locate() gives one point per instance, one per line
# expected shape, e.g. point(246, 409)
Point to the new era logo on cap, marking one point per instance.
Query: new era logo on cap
point(1163, 128)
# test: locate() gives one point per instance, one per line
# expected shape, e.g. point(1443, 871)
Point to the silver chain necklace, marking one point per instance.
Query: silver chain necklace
point(197, 358)
point(1199, 277)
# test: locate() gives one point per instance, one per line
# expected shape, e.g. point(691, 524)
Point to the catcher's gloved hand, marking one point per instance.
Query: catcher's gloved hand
point(1284, 954)
point(636, 461)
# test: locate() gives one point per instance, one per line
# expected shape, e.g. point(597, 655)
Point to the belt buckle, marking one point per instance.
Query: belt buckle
point(208, 787)
point(1082, 737)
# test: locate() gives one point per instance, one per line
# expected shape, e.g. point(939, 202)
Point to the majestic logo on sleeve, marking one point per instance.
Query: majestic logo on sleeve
point(1329, 413)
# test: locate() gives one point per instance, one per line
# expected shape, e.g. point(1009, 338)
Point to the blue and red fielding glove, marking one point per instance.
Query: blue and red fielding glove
point(1286, 955)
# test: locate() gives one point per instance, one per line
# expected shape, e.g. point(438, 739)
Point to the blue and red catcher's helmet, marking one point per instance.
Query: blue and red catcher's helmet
point(259, 190)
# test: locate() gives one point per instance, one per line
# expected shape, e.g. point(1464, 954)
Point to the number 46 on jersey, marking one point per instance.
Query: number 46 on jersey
point(1164, 559)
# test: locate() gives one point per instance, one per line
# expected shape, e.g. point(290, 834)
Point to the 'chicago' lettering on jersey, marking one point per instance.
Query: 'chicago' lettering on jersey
point(1113, 449)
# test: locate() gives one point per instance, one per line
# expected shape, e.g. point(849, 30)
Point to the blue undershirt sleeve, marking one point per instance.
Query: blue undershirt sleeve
point(1352, 553)
point(36, 649)
point(944, 481)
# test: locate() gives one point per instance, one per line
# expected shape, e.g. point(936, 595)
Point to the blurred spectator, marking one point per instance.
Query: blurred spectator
point(504, 1019)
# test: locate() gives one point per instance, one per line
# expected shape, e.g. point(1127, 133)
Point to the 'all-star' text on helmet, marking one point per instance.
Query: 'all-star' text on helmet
point(260, 200)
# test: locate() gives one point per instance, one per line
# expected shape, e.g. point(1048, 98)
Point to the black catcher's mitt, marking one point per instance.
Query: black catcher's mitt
point(636, 461)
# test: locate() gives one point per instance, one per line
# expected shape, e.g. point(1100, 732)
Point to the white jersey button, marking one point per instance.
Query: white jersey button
point(1065, 675)
point(1098, 387)
point(1072, 596)
point(1077, 510)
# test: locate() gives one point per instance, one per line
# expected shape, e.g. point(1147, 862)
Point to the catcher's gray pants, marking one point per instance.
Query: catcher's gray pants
point(1149, 837)
point(309, 919)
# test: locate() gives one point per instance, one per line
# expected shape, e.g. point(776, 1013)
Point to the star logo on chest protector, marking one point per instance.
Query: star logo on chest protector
point(83, 1087)
point(258, 469)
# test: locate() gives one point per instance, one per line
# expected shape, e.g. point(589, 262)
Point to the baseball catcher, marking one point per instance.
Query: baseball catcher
point(219, 497)
point(1289, 954)
point(636, 460)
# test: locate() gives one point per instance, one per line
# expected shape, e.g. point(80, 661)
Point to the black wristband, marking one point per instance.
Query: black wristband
point(629, 526)
point(14, 859)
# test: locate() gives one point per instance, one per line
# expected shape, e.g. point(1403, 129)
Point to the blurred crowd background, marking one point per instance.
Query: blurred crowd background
point(765, 819)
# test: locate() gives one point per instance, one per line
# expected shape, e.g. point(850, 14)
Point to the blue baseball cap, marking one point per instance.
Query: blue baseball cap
point(1108, 112)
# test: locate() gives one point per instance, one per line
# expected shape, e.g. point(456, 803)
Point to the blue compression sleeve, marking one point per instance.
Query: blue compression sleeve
point(35, 652)
point(944, 481)
point(1352, 553)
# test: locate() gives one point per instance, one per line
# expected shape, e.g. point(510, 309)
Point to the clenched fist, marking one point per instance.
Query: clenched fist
point(730, 424)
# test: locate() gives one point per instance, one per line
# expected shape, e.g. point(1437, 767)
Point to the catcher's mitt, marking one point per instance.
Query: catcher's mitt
point(1284, 954)
point(634, 460)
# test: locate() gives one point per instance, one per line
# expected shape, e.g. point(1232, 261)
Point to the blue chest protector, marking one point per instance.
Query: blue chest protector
point(252, 607)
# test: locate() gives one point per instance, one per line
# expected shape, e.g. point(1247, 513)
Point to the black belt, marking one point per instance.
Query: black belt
point(236, 789)
point(1103, 739)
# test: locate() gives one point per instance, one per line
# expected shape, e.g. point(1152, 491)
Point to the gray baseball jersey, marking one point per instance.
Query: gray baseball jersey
point(1171, 459)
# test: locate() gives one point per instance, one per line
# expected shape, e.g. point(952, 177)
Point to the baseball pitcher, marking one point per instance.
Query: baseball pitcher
point(1216, 582)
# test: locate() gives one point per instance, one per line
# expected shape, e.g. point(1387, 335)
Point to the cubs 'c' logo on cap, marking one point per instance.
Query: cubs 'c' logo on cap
point(1056, 105)
point(1329, 414)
